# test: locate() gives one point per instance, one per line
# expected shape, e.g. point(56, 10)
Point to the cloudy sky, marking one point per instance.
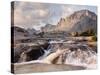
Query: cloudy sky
point(29, 14)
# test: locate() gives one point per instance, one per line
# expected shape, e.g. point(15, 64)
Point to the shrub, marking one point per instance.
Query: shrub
point(94, 38)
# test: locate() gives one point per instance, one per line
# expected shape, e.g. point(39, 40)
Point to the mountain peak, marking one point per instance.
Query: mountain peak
point(81, 14)
point(79, 21)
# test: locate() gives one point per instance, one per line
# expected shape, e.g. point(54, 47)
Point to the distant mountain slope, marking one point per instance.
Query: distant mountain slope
point(19, 32)
point(79, 21)
point(48, 28)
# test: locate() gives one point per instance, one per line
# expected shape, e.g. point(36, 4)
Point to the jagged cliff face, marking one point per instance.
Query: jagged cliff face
point(79, 21)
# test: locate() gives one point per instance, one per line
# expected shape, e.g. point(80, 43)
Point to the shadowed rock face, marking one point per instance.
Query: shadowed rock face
point(34, 54)
point(28, 52)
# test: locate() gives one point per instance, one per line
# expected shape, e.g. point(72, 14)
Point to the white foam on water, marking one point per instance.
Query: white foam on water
point(85, 57)
point(82, 58)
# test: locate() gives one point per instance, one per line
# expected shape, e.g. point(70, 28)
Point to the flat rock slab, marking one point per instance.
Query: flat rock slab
point(38, 67)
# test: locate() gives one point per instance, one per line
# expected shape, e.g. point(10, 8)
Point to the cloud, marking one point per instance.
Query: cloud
point(67, 10)
point(29, 14)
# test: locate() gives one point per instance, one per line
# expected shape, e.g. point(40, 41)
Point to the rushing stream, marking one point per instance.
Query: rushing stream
point(78, 54)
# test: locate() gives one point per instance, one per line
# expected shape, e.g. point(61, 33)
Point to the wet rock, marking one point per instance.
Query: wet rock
point(28, 52)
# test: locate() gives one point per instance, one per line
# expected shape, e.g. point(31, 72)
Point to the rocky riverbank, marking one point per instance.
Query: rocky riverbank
point(30, 68)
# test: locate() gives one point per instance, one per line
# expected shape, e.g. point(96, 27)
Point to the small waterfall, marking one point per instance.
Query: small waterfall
point(79, 54)
point(51, 48)
point(23, 57)
point(46, 51)
point(82, 57)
